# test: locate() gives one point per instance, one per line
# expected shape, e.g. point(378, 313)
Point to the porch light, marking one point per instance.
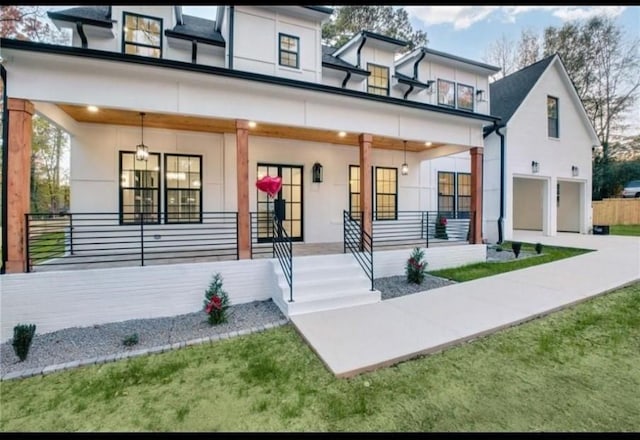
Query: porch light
point(342, 134)
point(574, 170)
point(535, 166)
point(480, 95)
point(428, 144)
point(405, 168)
point(92, 108)
point(142, 151)
point(252, 124)
point(316, 173)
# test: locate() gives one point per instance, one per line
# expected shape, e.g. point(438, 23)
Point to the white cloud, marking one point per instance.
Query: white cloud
point(569, 13)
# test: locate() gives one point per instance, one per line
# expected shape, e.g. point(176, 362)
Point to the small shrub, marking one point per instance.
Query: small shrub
point(130, 340)
point(216, 301)
point(516, 246)
point(498, 248)
point(415, 268)
point(538, 248)
point(22, 337)
point(441, 228)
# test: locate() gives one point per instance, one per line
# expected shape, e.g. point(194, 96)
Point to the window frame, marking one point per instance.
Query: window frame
point(121, 189)
point(351, 194)
point(453, 86)
point(166, 189)
point(125, 42)
point(376, 193)
point(458, 196)
point(451, 196)
point(473, 101)
point(281, 50)
point(556, 119)
point(369, 86)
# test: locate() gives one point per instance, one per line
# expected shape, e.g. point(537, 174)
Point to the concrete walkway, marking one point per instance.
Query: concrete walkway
point(362, 338)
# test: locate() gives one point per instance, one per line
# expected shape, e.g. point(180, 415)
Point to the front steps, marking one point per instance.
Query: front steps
point(323, 282)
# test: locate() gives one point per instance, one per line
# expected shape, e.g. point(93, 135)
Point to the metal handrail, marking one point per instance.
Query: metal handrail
point(359, 243)
point(283, 251)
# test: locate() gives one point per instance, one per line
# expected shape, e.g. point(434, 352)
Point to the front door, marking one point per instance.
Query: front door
point(289, 199)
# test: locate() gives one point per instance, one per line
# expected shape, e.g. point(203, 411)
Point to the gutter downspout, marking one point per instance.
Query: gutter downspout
point(194, 51)
point(83, 36)
point(364, 40)
point(346, 79)
point(231, 14)
point(5, 159)
point(501, 218)
point(415, 65)
point(408, 91)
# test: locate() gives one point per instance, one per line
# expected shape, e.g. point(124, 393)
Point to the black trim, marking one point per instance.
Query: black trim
point(376, 87)
point(230, 73)
point(463, 60)
point(453, 196)
point(281, 50)
point(322, 9)
point(453, 83)
point(5, 159)
point(165, 189)
point(502, 145)
point(415, 65)
point(124, 42)
point(178, 12)
point(83, 36)
point(346, 79)
point(473, 97)
point(194, 51)
point(355, 70)
point(364, 40)
point(557, 118)
point(160, 171)
point(182, 36)
point(74, 19)
point(231, 31)
point(410, 81)
point(375, 193)
point(384, 38)
point(408, 91)
point(350, 192)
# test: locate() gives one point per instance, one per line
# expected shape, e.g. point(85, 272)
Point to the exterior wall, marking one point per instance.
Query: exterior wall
point(256, 43)
point(80, 298)
point(491, 188)
point(527, 140)
point(458, 163)
point(375, 55)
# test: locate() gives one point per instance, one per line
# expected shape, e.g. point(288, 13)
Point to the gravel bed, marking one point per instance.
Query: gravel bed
point(507, 255)
point(395, 286)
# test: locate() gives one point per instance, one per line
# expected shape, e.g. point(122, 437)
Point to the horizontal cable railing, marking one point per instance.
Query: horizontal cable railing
point(261, 234)
point(358, 242)
point(73, 239)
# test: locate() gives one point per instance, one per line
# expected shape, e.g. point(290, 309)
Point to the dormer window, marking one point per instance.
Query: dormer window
point(465, 97)
point(289, 51)
point(142, 35)
point(378, 81)
point(446, 93)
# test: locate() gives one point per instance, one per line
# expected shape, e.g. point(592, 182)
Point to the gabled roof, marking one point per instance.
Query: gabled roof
point(508, 93)
point(322, 9)
point(91, 15)
point(370, 35)
point(196, 28)
point(328, 60)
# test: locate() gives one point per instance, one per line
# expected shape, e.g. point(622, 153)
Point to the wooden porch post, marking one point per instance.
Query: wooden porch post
point(476, 195)
point(242, 176)
point(18, 182)
point(365, 141)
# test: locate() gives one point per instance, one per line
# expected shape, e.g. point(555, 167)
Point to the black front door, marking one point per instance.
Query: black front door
point(287, 203)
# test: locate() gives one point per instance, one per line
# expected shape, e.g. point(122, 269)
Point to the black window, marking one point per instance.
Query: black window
point(386, 191)
point(446, 93)
point(552, 117)
point(289, 51)
point(378, 81)
point(465, 97)
point(142, 35)
point(183, 188)
point(139, 188)
point(354, 191)
point(454, 194)
point(463, 193)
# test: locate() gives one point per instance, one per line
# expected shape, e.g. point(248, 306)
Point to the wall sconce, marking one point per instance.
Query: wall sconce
point(429, 89)
point(404, 169)
point(480, 96)
point(535, 166)
point(142, 151)
point(574, 170)
point(316, 173)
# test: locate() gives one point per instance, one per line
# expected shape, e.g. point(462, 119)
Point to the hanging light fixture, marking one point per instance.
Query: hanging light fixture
point(405, 168)
point(142, 151)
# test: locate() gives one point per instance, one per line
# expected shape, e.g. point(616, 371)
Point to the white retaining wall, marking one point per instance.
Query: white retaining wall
point(79, 298)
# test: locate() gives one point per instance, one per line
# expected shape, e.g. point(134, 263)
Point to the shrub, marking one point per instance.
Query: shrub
point(22, 337)
point(539, 248)
point(130, 340)
point(441, 228)
point(498, 248)
point(216, 301)
point(415, 268)
point(516, 246)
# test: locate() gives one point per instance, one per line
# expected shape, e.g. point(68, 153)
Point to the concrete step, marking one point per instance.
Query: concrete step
point(334, 300)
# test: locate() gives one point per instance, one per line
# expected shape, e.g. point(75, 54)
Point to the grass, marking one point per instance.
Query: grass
point(575, 370)
point(480, 270)
point(46, 246)
point(625, 230)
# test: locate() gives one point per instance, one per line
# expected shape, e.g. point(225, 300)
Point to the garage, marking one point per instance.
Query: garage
point(529, 203)
point(569, 206)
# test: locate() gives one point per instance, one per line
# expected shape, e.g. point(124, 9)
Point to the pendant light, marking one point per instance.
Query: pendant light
point(405, 168)
point(142, 151)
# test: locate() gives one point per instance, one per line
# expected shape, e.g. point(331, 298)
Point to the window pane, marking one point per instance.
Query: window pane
point(183, 187)
point(378, 81)
point(142, 35)
point(465, 97)
point(446, 93)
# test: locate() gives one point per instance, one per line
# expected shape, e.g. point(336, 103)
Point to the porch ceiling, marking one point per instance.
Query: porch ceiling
point(218, 125)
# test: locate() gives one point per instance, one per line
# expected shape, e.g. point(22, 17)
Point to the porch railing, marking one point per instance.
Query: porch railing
point(93, 239)
point(261, 234)
point(358, 242)
point(283, 251)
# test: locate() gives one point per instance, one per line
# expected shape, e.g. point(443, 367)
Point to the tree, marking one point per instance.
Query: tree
point(28, 23)
point(528, 48)
point(501, 53)
point(391, 21)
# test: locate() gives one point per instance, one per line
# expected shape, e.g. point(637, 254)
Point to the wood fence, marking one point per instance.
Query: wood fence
point(616, 212)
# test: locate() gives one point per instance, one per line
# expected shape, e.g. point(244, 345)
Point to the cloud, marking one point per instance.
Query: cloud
point(569, 13)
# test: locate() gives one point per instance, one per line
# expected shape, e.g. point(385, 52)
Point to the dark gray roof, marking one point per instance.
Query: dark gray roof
point(408, 80)
point(384, 38)
point(508, 93)
point(328, 60)
point(322, 9)
point(92, 15)
point(196, 28)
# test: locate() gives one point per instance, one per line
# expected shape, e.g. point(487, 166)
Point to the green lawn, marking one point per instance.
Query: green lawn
point(480, 270)
point(47, 245)
point(575, 370)
point(625, 230)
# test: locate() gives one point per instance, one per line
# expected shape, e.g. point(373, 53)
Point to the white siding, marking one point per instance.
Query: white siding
point(491, 187)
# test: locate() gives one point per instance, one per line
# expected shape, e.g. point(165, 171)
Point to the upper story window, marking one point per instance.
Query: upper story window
point(465, 97)
point(142, 35)
point(552, 117)
point(446, 93)
point(289, 51)
point(378, 81)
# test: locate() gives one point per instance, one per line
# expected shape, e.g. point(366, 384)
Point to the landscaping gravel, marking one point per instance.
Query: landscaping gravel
point(101, 343)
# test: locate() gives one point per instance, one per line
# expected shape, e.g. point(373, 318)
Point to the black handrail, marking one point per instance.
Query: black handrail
point(283, 250)
point(261, 234)
point(358, 242)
